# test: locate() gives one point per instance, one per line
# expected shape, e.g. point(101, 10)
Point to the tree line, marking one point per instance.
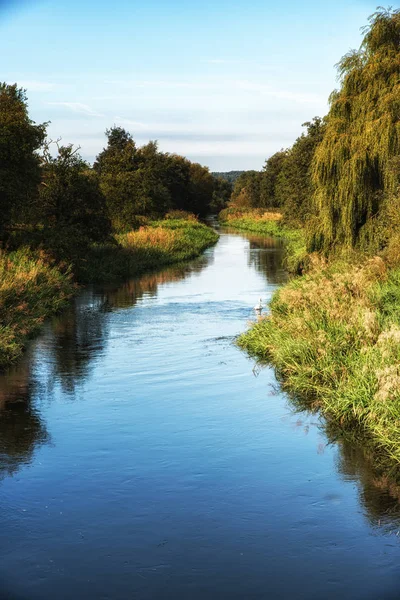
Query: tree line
point(50, 195)
point(284, 183)
point(341, 178)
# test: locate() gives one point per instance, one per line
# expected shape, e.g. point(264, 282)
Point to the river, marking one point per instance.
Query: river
point(144, 456)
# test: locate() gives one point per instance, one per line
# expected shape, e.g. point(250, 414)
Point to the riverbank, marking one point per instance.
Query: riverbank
point(333, 336)
point(159, 244)
point(269, 224)
point(33, 287)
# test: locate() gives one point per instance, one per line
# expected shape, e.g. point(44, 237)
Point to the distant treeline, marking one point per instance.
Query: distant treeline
point(230, 176)
point(341, 177)
point(50, 196)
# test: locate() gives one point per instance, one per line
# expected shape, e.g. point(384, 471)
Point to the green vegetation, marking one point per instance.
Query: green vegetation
point(356, 167)
point(333, 334)
point(229, 176)
point(64, 221)
point(158, 244)
point(334, 337)
point(31, 288)
point(285, 183)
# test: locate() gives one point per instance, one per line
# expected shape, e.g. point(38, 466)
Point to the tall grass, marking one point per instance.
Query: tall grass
point(270, 224)
point(334, 337)
point(31, 288)
point(159, 244)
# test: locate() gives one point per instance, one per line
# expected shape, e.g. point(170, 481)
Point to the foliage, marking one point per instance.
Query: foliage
point(71, 205)
point(20, 138)
point(158, 244)
point(221, 194)
point(354, 171)
point(293, 183)
point(285, 181)
point(246, 191)
point(269, 195)
point(145, 181)
point(31, 288)
point(229, 176)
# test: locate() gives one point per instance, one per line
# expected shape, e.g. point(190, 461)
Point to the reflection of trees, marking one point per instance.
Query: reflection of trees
point(77, 337)
point(65, 352)
point(379, 492)
point(74, 340)
point(132, 291)
point(266, 256)
point(80, 334)
point(21, 428)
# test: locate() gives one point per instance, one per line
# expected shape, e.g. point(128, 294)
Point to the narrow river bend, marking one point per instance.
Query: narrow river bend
point(142, 456)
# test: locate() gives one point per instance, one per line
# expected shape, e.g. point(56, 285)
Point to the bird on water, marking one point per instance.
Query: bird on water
point(258, 307)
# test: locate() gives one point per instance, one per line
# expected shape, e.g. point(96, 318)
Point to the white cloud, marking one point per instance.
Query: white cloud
point(77, 107)
point(36, 86)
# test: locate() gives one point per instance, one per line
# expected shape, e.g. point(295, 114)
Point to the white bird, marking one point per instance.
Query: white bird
point(258, 307)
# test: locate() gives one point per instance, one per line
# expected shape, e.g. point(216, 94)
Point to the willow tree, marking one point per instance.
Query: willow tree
point(354, 166)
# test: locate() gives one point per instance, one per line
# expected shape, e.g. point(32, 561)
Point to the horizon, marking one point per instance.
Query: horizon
point(208, 82)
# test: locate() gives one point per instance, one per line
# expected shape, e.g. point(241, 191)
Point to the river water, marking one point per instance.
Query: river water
point(143, 456)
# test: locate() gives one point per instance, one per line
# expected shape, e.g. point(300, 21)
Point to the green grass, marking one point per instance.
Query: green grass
point(333, 336)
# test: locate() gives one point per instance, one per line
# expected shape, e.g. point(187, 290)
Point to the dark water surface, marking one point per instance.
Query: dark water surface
point(141, 456)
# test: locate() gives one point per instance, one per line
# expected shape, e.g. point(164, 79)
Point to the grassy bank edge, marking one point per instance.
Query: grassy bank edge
point(33, 287)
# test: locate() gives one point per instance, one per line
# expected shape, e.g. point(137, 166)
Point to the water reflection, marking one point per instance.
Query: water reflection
point(378, 494)
point(79, 336)
point(129, 293)
point(64, 354)
point(266, 256)
point(176, 464)
point(21, 427)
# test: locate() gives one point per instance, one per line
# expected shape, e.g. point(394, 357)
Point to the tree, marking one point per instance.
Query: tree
point(72, 206)
point(145, 181)
point(20, 138)
point(200, 191)
point(221, 194)
point(269, 198)
point(353, 169)
point(294, 186)
point(246, 191)
point(131, 178)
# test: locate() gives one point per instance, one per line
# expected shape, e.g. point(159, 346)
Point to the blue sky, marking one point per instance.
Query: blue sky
point(223, 83)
